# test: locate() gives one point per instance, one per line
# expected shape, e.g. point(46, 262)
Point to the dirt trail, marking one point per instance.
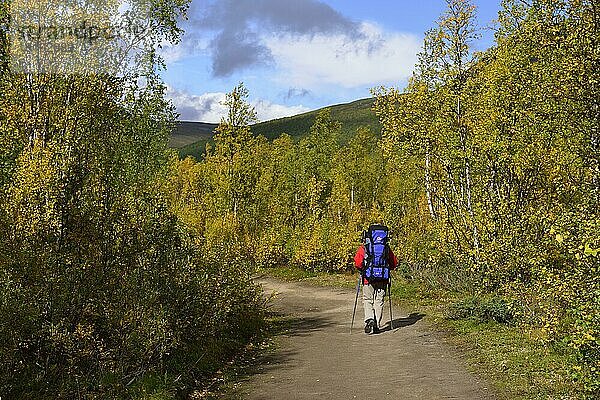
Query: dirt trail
point(318, 358)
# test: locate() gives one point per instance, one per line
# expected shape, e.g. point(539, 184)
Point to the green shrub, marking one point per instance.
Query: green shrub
point(492, 309)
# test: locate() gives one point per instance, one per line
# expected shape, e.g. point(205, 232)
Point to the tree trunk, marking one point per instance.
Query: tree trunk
point(428, 183)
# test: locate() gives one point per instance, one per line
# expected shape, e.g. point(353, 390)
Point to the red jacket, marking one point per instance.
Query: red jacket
point(359, 257)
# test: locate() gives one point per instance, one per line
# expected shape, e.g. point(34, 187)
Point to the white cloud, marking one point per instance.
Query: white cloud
point(375, 57)
point(189, 46)
point(208, 107)
point(200, 108)
point(265, 110)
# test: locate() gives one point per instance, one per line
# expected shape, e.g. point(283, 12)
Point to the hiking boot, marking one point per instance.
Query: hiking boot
point(369, 326)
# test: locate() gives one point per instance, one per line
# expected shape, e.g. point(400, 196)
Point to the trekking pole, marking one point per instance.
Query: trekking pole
point(355, 301)
point(390, 295)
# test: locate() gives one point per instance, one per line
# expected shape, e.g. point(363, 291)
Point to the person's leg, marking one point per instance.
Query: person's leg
point(379, 292)
point(368, 298)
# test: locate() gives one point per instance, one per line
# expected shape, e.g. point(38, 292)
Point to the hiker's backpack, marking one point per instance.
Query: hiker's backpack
point(376, 264)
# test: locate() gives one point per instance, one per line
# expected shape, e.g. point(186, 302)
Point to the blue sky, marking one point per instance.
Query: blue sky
point(299, 55)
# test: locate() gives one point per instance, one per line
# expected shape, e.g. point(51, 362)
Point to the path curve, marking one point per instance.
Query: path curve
point(318, 357)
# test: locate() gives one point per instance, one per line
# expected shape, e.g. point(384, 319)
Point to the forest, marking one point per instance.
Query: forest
point(127, 271)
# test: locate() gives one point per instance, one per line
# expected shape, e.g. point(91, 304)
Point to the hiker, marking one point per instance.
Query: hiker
point(375, 259)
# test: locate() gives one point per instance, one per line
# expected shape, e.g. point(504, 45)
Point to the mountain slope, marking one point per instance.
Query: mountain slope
point(351, 115)
point(186, 133)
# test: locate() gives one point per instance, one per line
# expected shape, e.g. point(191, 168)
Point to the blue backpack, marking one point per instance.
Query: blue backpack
point(376, 264)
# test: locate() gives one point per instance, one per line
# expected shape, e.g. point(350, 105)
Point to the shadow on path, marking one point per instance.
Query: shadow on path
point(265, 360)
point(282, 325)
point(404, 322)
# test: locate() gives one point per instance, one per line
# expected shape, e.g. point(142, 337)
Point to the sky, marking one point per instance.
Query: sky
point(299, 55)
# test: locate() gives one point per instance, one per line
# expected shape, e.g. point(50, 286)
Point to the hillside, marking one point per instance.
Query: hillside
point(186, 133)
point(351, 115)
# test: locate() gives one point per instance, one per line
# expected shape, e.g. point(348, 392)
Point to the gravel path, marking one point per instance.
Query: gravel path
point(317, 357)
